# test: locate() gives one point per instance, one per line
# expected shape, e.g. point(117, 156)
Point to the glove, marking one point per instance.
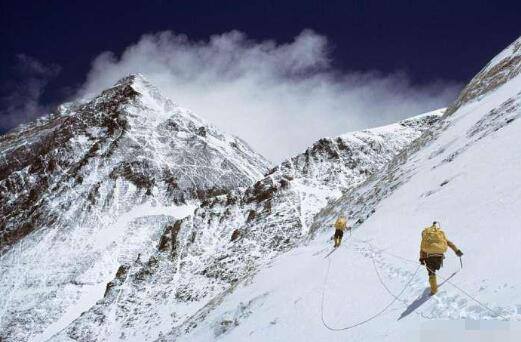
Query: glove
point(422, 261)
point(459, 253)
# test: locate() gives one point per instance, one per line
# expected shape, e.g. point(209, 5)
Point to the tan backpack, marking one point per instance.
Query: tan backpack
point(341, 223)
point(434, 241)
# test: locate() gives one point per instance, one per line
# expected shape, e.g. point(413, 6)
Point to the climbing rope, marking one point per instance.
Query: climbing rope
point(395, 297)
point(469, 295)
point(450, 282)
point(367, 319)
point(380, 277)
point(454, 285)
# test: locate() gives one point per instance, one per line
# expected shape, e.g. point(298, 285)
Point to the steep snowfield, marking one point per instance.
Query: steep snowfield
point(465, 174)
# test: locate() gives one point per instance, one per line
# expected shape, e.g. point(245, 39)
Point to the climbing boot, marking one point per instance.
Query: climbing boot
point(433, 283)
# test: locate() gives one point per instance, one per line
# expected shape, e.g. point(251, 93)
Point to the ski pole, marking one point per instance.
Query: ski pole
point(461, 262)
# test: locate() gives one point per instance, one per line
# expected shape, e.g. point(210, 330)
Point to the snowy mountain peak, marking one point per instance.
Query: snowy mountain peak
point(129, 132)
point(131, 79)
point(136, 81)
point(127, 87)
point(135, 90)
point(93, 187)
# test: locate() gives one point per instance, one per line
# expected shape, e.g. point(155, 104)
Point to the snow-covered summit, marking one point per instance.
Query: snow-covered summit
point(130, 131)
point(92, 186)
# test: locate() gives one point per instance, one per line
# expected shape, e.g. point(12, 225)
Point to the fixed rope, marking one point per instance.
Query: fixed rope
point(454, 285)
point(469, 295)
point(380, 277)
point(367, 319)
point(451, 283)
point(395, 297)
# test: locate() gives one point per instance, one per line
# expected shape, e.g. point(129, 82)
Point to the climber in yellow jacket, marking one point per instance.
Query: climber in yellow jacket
point(340, 226)
point(433, 246)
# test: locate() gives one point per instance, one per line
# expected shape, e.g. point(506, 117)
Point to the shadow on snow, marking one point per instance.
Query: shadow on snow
point(421, 299)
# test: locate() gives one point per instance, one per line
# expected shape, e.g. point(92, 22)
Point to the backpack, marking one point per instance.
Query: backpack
point(340, 223)
point(434, 241)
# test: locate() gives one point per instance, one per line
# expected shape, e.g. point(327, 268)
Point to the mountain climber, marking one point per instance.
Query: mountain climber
point(340, 226)
point(432, 252)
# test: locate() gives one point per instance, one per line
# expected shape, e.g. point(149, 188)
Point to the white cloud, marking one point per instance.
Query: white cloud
point(279, 98)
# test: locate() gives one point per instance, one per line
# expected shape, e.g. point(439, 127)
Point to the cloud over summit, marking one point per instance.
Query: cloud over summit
point(279, 97)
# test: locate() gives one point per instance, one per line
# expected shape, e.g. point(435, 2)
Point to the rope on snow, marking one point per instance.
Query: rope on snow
point(396, 297)
point(367, 319)
point(455, 286)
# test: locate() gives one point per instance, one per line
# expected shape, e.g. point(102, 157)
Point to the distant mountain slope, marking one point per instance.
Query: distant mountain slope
point(93, 186)
point(200, 260)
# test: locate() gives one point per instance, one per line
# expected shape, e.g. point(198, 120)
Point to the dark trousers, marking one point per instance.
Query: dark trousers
point(433, 263)
point(338, 236)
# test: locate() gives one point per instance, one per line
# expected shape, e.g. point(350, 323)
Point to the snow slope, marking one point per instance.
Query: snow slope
point(465, 174)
